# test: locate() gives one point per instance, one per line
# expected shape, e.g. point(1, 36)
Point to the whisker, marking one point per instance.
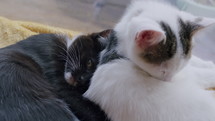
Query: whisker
point(72, 57)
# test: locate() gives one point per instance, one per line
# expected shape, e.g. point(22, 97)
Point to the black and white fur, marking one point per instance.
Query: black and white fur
point(153, 82)
point(32, 82)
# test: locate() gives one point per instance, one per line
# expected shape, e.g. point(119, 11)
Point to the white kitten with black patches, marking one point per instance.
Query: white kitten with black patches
point(152, 84)
point(141, 18)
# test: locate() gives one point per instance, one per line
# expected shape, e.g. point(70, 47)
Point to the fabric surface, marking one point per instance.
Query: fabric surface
point(13, 31)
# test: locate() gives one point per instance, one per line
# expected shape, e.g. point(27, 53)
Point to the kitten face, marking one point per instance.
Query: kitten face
point(82, 57)
point(159, 41)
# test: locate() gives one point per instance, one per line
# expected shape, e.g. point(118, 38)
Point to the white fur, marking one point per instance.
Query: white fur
point(143, 15)
point(131, 95)
point(126, 93)
point(125, 90)
point(203, 71)
point(68, 76)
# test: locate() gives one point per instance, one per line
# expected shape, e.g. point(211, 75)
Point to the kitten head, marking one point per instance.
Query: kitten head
point(157, 37)
point(82, 57)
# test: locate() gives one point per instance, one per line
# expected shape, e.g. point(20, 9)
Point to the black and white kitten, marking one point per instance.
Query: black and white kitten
point(144, 75)
point(33, 86)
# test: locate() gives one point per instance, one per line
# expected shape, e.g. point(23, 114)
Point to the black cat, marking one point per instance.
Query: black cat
point(33, 85)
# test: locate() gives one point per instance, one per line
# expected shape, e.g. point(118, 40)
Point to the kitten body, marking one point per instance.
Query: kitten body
point(154, 82)
point(25, 92)
point(133, 95)
point(33, 85)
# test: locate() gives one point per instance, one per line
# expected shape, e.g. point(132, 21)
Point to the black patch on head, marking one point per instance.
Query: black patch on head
point(162, 51)
point(186, 31)
point(109, 53)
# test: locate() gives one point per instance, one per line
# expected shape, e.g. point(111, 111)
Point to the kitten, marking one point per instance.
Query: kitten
point(142, 76)
point(33, 82)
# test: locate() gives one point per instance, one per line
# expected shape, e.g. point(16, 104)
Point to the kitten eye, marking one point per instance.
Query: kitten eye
point(89, 63)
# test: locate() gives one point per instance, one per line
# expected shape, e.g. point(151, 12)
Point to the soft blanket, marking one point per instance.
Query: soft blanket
point(13, 31)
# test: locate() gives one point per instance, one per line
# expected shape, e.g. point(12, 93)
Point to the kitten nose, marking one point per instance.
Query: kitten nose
point(84, 78)
point(69, 79)
point(72, 81)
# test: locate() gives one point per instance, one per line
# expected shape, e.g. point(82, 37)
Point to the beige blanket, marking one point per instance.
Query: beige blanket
point(13, 31)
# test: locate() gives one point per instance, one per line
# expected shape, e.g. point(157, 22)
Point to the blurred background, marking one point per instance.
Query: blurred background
point(70, 14)
point(80, 15)
point(95, 15)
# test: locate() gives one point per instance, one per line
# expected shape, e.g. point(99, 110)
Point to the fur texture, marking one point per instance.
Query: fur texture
point(152, 84)
point(32, 82)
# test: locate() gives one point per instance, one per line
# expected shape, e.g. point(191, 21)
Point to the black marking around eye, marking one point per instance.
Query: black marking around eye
point(161, 51)
point(185, 33)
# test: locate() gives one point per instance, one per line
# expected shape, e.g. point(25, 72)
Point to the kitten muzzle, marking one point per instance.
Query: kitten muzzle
point(69, 79)
point(72, 81)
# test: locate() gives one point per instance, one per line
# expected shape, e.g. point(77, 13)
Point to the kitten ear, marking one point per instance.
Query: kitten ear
point(102, 34)
point(103, 37)
point(147, 38)
point(203, 23)
point(105, 33)
point(145, 32)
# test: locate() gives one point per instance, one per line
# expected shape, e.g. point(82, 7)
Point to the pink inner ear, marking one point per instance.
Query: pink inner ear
point(147, 37)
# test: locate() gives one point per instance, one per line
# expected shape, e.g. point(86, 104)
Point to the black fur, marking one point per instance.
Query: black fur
point(161, 52)
point(109, 53)
point(24, 92)
point(187, 29)
point(85, 49)
point(32, 84)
